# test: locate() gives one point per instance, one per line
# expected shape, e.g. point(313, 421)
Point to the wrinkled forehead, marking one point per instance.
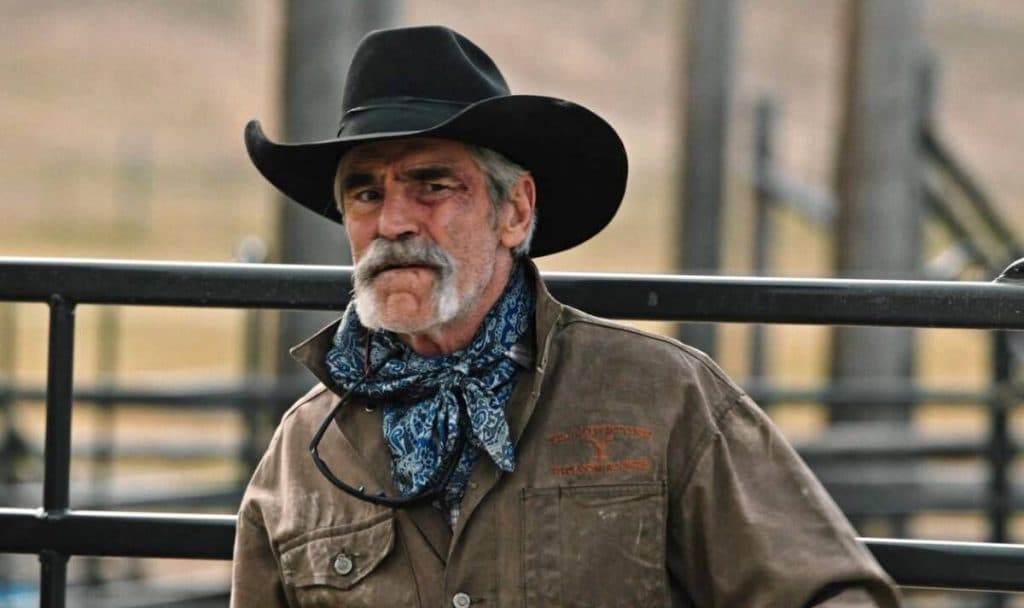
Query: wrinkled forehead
point(427, 150)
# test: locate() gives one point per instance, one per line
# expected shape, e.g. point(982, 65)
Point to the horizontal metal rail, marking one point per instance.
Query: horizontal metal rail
point(117, 533)
point(188, 394)
point(623, 296)
point(214, 394)
point(982, 566)
point(951, 565)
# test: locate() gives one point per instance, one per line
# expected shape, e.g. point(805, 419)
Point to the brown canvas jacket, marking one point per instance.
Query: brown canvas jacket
point(644, 477)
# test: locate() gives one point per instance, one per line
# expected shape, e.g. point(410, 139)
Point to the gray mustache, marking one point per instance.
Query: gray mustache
point(384, 254)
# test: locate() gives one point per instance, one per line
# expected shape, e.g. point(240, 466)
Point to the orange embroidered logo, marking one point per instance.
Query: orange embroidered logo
point(600, 437)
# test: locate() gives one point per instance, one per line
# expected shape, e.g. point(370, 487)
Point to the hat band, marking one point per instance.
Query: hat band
point(398, 114)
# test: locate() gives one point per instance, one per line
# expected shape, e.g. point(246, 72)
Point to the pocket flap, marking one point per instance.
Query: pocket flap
point(339, 557)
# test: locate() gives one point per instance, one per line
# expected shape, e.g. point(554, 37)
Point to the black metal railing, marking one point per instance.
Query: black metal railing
point(55, 531)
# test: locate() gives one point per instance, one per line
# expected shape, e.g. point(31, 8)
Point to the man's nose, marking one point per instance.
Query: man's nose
point(398, 216)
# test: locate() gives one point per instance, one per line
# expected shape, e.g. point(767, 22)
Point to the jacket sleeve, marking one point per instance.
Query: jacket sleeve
point(751, 526)
point(255, 579)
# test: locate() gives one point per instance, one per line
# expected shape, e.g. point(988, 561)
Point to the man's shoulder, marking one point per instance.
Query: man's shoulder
point(677, 376)
point(631, 345)
point(613, 330)
point(304, 415)
point(314, 403)
point(291, 436)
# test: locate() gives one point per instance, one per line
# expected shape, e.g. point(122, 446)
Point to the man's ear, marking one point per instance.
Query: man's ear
point(516, 215)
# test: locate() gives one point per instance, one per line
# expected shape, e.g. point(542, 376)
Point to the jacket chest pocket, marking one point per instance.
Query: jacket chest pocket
point(601, 545)
point(348, 566)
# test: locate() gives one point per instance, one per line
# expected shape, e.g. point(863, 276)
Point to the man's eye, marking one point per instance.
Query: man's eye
point(367, 196)
point(437, 187)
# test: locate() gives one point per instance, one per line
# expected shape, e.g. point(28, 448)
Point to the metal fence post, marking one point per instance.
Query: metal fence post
point(1000, 445)
point(57, 454)
point(10, 441)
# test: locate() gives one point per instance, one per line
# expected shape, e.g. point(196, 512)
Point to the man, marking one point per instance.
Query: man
point(473, 442)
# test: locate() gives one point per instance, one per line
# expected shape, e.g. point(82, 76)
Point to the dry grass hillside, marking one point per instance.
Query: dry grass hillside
point(121, 121)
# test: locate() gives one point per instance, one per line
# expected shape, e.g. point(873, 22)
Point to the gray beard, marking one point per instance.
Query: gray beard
point(445, 300)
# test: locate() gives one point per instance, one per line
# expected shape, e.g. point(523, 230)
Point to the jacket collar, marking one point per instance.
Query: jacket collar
point(312, 352)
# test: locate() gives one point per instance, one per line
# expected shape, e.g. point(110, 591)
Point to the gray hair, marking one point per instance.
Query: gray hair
point(502, 176)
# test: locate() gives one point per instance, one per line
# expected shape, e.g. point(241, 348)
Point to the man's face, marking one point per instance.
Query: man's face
point(422, 229)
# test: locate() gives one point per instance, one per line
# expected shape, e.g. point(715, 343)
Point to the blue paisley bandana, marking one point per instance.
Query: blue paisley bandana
point(421, 395)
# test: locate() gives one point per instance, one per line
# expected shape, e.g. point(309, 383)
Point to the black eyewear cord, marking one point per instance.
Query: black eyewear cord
point(432, 490)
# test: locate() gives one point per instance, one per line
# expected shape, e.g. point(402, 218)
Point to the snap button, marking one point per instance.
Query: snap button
point(343, 564)
point(461, 600)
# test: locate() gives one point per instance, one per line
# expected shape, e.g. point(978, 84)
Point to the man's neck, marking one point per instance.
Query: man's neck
point(458, 333)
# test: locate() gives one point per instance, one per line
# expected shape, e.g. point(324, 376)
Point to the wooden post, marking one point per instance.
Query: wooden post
point(879, 229)
point(711, 41)
point(766, 117)
point(320, 39)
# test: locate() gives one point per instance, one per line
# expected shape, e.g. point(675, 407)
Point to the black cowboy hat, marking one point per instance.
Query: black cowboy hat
point(433, 82)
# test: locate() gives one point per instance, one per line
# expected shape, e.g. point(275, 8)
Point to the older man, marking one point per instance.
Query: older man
point(474, 442)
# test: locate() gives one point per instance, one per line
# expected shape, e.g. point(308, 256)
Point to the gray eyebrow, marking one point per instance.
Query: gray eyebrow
point(428, 173)
point(356, 180)
point(360, 179)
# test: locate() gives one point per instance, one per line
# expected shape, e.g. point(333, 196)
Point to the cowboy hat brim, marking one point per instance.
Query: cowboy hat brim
point(577, 160)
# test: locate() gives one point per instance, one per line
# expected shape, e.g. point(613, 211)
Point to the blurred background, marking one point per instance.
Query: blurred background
point(853, 138)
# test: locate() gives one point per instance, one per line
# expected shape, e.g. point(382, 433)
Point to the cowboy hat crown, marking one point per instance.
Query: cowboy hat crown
point(433, 82)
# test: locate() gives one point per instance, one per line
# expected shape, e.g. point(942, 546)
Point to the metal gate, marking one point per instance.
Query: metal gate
point(55, 532)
